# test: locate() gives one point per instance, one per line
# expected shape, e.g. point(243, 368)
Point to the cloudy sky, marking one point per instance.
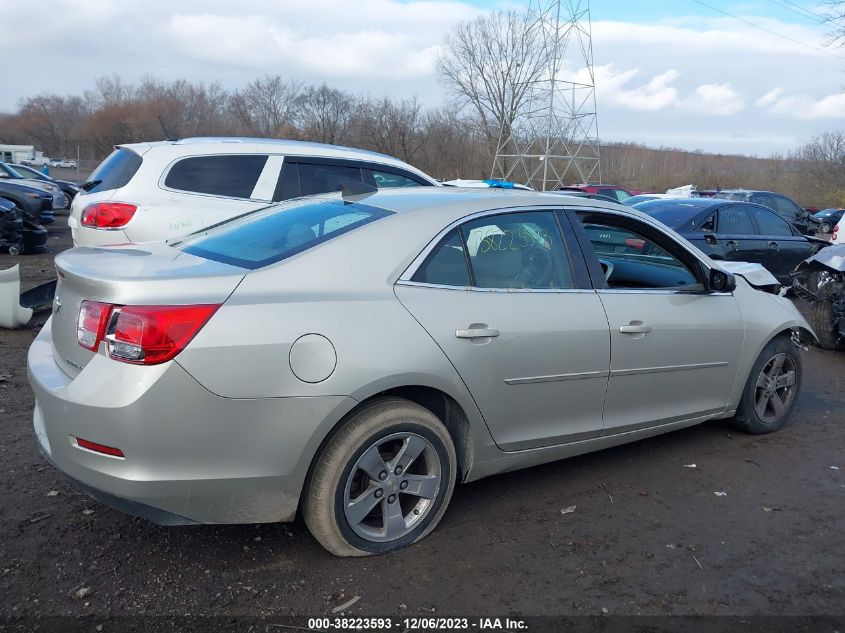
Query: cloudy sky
point(668, 72)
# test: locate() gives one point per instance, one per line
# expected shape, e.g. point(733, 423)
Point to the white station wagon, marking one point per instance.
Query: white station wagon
point(154, 191)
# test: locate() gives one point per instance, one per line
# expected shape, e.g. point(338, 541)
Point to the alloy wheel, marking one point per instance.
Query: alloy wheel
point(775, 388)
point(392, 487)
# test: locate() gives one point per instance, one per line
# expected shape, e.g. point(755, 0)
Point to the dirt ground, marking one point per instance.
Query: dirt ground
point(647, 536)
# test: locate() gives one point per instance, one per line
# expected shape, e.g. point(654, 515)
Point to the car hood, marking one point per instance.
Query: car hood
point(832, 257)
point(754, 274)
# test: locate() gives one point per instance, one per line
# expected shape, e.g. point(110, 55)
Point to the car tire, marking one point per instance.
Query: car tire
point(765, 407)
point(359, 465)
point(825, 227)
point(820, 318)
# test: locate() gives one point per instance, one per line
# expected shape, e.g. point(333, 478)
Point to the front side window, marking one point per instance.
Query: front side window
point(322, 178)
point(787, 208)
point(770, 223)
point(385, 179)
point(268, 236)
point(735, 221)
point(511, 251)
point(632, 260)
point(233, 176)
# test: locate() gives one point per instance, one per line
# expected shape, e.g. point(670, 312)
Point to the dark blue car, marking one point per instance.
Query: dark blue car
point(737, 231)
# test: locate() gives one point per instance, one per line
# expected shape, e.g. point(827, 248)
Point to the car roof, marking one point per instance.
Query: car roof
point(458, 202)
point(237, 144)
point(700, 203)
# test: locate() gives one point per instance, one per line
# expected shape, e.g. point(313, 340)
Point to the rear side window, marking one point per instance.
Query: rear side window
point(265, 237)
point(446, 265)
point(325, 178)
point(288, 185)
point(511, 251)
point(735, 221)
point(233, 176)
point(386, 179)
point(114, 172)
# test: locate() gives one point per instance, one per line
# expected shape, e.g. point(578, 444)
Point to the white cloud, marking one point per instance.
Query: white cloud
point(803, 106)
point(715, 100)
point(619, 88)
point(263, 44)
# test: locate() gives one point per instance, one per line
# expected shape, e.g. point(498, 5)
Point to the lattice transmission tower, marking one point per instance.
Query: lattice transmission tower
point(554, 139)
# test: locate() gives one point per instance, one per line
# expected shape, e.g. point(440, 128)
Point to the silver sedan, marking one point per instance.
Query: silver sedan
point(354, 357)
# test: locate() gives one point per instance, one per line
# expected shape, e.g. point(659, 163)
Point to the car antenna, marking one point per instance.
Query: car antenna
point(352, 190)
point(167, 136)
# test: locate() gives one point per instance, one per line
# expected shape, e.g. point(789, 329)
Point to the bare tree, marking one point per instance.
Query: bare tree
point(490, 65)
point(391, 126)
point(54, 122)
point(326, 113)
point(268, 106)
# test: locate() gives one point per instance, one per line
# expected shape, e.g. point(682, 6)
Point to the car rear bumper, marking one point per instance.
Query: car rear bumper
point(190, 456)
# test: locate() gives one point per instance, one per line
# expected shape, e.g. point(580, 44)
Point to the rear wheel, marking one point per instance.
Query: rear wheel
point(382, 482)
point(825, 227)
point(772, 388)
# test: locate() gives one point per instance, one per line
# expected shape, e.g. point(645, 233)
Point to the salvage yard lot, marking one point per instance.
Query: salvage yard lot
point(647, 535)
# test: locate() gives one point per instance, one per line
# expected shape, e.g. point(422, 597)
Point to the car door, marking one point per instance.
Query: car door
point(737, 234)
point(674, 347)
point(506, 297)
point(785, 247)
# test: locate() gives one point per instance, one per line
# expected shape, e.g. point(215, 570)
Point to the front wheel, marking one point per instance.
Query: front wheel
point(772, 388)
point(382, 482)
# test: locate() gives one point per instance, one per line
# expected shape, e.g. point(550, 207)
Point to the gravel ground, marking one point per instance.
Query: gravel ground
point(647, 536)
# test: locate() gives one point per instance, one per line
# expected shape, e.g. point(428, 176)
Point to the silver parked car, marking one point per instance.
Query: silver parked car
point(355, 356)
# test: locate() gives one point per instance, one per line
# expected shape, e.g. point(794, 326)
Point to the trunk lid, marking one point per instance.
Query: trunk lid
point(154, 274)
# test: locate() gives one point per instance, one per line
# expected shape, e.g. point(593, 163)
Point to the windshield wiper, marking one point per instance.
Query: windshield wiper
point(87, 186)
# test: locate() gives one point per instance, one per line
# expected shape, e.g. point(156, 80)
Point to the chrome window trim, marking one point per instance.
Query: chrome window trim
point(662, 291)
point(420, 284)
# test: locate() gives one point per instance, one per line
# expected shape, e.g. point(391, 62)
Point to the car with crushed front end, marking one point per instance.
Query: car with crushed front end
point(353, 356)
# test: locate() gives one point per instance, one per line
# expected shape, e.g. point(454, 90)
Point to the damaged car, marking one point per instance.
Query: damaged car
point(820, 282)
point(352, 357)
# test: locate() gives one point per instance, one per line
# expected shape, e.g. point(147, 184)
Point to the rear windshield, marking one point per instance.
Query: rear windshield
point(672, 214)
point(276, 233)
point(114, 172)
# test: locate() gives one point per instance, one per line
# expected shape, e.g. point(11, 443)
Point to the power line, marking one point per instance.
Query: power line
point(769, 31)
point(799, 10)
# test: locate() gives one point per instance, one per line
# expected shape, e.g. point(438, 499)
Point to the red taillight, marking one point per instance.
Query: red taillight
point(634, 242)
point(99, 448)
point(142, 335)
point(108, 215)
point(149, 335)
point(91, 325)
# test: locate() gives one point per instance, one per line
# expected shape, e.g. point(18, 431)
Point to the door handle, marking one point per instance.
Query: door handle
point(481, 332)
point(774, 245)
point(639, 328)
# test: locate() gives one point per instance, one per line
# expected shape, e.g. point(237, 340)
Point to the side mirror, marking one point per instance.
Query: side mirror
point(720, 281)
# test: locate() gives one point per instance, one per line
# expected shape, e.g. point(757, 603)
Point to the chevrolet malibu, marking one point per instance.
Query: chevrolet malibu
point(352, 357)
